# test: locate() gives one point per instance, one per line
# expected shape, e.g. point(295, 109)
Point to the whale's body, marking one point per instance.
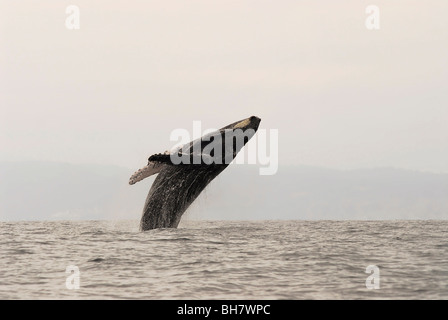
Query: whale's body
point(178, 184)
point(172, 192)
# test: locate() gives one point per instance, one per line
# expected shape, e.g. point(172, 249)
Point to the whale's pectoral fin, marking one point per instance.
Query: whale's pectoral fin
point(153, 167)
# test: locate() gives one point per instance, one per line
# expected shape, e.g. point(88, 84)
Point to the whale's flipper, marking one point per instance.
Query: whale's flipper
point(153, 167)
point(187, 170)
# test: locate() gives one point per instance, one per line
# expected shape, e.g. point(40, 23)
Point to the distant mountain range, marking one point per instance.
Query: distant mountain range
point(55, 191)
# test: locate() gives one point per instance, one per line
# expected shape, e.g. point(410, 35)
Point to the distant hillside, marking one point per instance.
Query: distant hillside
point(317, 193)
point(48, 191)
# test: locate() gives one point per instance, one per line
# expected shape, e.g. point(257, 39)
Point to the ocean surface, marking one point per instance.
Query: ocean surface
point(225, 260)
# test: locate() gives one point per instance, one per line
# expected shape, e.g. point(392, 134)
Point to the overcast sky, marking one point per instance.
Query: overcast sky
point(340, 95)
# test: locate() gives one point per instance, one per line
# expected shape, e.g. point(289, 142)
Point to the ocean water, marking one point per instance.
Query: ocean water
point(225, 260)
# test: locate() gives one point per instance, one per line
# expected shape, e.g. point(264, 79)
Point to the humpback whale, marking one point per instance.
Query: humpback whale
point(186, 170)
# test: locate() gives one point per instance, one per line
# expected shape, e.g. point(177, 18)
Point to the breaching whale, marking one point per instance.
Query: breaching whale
point(185, 171)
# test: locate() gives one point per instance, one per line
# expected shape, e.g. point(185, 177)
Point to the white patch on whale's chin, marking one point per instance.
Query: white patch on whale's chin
point(242, 124)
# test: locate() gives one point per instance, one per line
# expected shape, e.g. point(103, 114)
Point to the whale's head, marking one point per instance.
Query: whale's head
point(219, 147)
point(237, 134)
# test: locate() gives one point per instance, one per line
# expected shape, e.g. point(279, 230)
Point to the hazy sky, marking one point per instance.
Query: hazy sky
point(340, 95)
